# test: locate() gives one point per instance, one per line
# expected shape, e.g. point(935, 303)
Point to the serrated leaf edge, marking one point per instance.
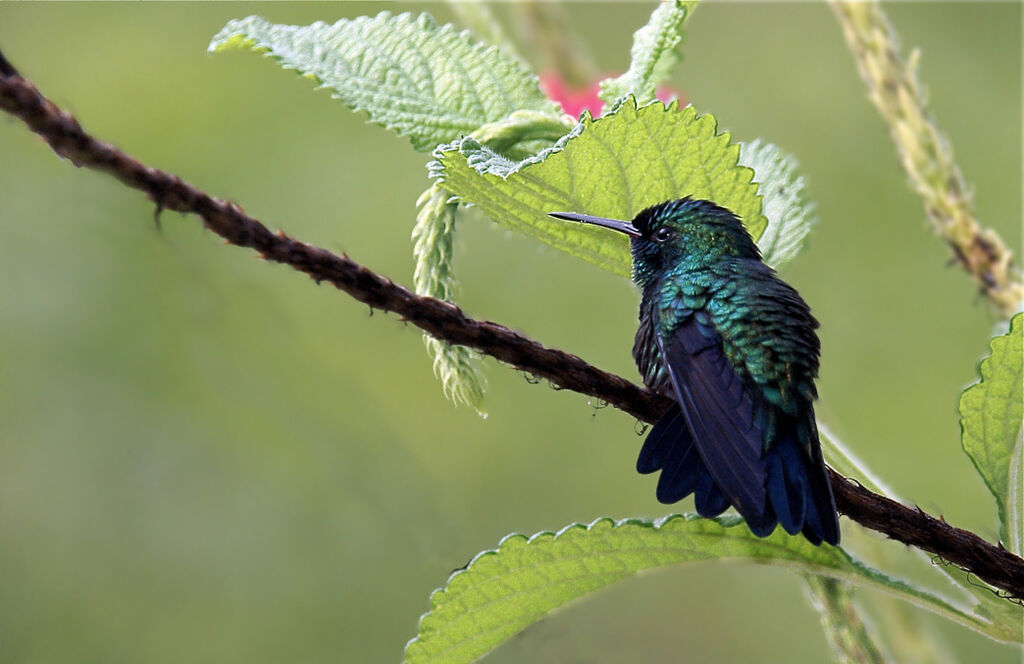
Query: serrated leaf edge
point(232, 37)
point(1009, 514)
point(755, 225)
point(869, 576)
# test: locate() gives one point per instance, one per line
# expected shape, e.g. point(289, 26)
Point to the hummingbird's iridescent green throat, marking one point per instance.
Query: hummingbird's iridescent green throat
point(735, 347)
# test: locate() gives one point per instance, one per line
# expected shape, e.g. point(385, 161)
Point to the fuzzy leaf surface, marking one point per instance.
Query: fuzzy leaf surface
point(614, 166)
point(654, 53)
point(789, 214)
point(990, 420)
point(503, 591)
point(458, 367)
point(429, 83)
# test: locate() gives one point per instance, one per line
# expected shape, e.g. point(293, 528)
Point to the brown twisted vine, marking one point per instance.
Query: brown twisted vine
point(19, 97)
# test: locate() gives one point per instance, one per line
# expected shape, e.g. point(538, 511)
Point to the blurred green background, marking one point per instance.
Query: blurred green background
point(207, 458)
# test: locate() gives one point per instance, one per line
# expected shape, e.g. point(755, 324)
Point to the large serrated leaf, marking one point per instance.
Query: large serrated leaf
point(503, 591)
point(613, 166)
point(424, 81)
point(990, 420)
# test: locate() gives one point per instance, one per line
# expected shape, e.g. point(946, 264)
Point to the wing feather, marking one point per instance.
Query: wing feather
point(719, 413)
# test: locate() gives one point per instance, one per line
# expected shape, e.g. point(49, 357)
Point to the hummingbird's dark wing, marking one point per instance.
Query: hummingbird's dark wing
point(711, 442)
point(718, 412)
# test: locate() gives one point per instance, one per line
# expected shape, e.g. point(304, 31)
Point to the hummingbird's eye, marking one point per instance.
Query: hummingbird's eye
point(663, 234)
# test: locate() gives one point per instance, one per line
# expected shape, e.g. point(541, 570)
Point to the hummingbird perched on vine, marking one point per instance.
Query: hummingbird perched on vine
point(735, 347)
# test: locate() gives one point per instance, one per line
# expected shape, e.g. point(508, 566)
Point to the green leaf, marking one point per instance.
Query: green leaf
point(503, 591)
point(653, 55)
point(424, 81)
point(782, 201)
point(990, 421)
point(613, 166)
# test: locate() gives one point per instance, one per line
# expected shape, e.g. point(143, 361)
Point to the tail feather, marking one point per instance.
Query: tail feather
point(709, 499)
point(813, 526)
point(680, 477)
point(787, 488)
point(764, 525)
point(798, 493)
point(823, 520)
point(664, 439)
point(799, 490)
point(670, 447)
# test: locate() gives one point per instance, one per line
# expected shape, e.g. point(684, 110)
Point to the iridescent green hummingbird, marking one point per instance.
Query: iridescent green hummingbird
point(735, 347)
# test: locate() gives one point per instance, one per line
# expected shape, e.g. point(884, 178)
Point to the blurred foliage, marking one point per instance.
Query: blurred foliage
point(207, 458)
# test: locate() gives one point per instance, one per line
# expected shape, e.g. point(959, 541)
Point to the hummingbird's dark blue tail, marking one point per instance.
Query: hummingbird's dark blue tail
point(798, 494)
point(799, 491)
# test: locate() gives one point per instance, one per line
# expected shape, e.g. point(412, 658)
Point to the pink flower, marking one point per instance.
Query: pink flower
point(576, 100)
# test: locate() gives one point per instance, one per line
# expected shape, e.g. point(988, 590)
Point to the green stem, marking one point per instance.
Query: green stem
point(458, 367)
point(926, 154)
point(517, 135)
point(847, 633)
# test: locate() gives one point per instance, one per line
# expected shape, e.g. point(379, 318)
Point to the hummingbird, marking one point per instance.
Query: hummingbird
point(736, 350)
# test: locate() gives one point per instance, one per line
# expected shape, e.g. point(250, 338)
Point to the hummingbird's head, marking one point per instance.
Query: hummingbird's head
point(686, 232)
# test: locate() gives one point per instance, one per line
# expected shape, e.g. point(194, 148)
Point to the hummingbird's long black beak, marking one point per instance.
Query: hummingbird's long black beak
point(614, 224)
